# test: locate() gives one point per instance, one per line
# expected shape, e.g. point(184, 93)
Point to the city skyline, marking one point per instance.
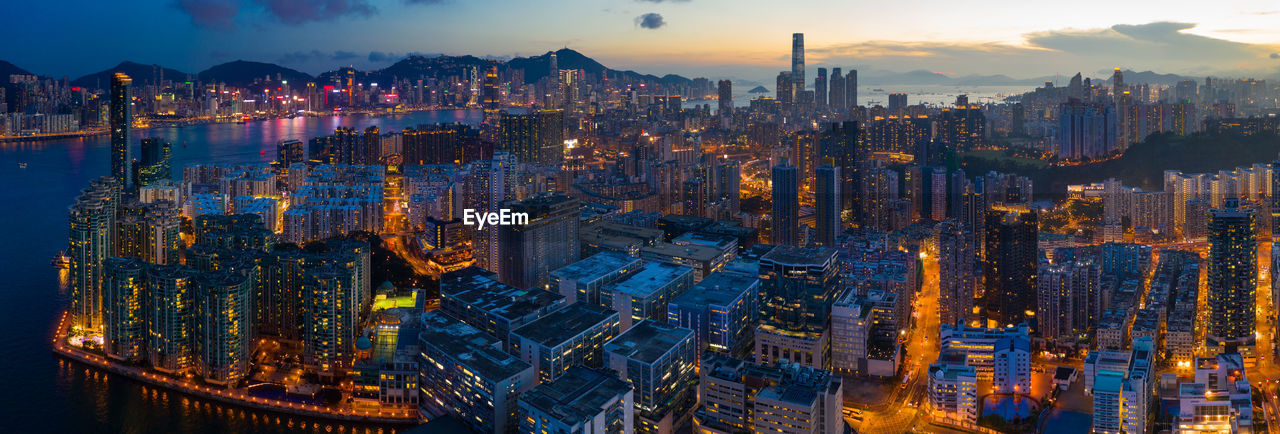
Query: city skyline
point(692, 38)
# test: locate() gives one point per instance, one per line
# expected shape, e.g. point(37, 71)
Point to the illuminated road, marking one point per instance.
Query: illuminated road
point(900, 412)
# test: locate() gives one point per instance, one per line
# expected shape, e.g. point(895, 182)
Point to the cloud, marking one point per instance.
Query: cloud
point(663, 1)
point(344, 55)
point(298, 57)
point(295, 12)
point(650, 21)
point(213, 14)
point(1275, 55)
point(378, 56)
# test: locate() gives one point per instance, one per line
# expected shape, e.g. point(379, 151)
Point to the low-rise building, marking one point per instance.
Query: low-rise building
point(571, 336)
point(583, 400)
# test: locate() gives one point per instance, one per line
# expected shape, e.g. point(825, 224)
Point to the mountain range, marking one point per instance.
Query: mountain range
point(242, 72)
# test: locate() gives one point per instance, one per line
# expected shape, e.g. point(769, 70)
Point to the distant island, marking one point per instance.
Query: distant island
point(758, 89)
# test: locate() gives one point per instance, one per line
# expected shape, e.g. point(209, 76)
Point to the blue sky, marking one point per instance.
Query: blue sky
point(744, 38)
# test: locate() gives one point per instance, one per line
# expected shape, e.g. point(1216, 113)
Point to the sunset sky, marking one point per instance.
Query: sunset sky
point(744, 39)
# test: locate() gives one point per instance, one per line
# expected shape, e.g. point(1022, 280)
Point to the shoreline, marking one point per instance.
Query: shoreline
point(234, 397)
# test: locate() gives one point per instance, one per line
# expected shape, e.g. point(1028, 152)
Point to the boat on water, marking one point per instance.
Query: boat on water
point(22, 165)
point(61, 260)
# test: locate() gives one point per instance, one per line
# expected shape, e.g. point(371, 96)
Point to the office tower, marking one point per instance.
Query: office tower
point(92, 231)
point(122, 129)
point(957, 273)
point(124, 291)
point(783, 90)
point(583, 280)
point(170, 318)
point(851, 88)
point(1233, 275)
point(786, 205)
point(897, 103)
point(725, 92)
point(953, 388)
point(721, 310)
point(797, 288)
point(584, 401)
point(820, 89)
point(535, 137)
point(288, 151)
point(575, 335)
point(836, 94)
point(464, 372)
point(797, 66)
point(826, 195)
point(1017, 120)
point(492, 182)
point(961, 129)
point(1085, 130)
point(223, 316)
point(645, 294)
point(658, 360)
point(491, 100)
point(154, 162)
point(839, 140)
point(1068, 299)
point(1009, 266)
point(799, 399)
point(330, 320)
point(546, 241)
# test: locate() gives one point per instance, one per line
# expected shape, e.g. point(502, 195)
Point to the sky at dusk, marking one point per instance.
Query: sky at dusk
point(747, 39)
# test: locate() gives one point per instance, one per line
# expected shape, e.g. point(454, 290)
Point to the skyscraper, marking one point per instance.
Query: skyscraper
point(820, 89)
point(826, 195)
point(836, 99)
point(92, 227)
point(897, 102)
point(124, 331)
point(121, 129)
point(535, 137)
point(851, 88)
point(957, 272)
point(1010, 266)
point(154, 161)
point(725, 98)
point(546, 242)
point(1233, 277)
point(839, 140)
point(786, 205)
point(797, 66)
point(783, 90)
point(223, 316)
point(169, 318)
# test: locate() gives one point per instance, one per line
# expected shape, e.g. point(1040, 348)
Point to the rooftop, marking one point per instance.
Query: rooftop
point(647, 341)
point(718, 288)
point(562, 325)
point(596, 267)
point(480, 289)
point(473, 348)
point(692, 251)
point(652, 277)
point(798, 256)
point(579, 394)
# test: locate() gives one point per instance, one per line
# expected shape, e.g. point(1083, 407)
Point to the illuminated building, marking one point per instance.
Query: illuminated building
point(658, 360)
point(646, 293)
point(547, 241)
point(223, 332)
point(1220, 399)
point(725, 98)
point(1011, 365)
point(797, 288)
point(1009, 266)
point(820, 89)
point(122, 129)
point(124, 292)
point(957, 272)
point(289, 151)
point(839, 140)
point(171, 318)
point(797, 67)
point(154, 162)
point(584, 400)
point(721, 310)
point(1085, 131)
point(739, 396)
point(826, 193)
point(1122, 386)
point(92, 227)
point(836, 98)
point(979, 344)
point(786, 205)
point(465, 373)
point(961, 129)
point(571, 336)
point(953, 388)
point(330, 319)
point(535, 137)
point(1233, 275)
point(476, 297)
point(1068, 293)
